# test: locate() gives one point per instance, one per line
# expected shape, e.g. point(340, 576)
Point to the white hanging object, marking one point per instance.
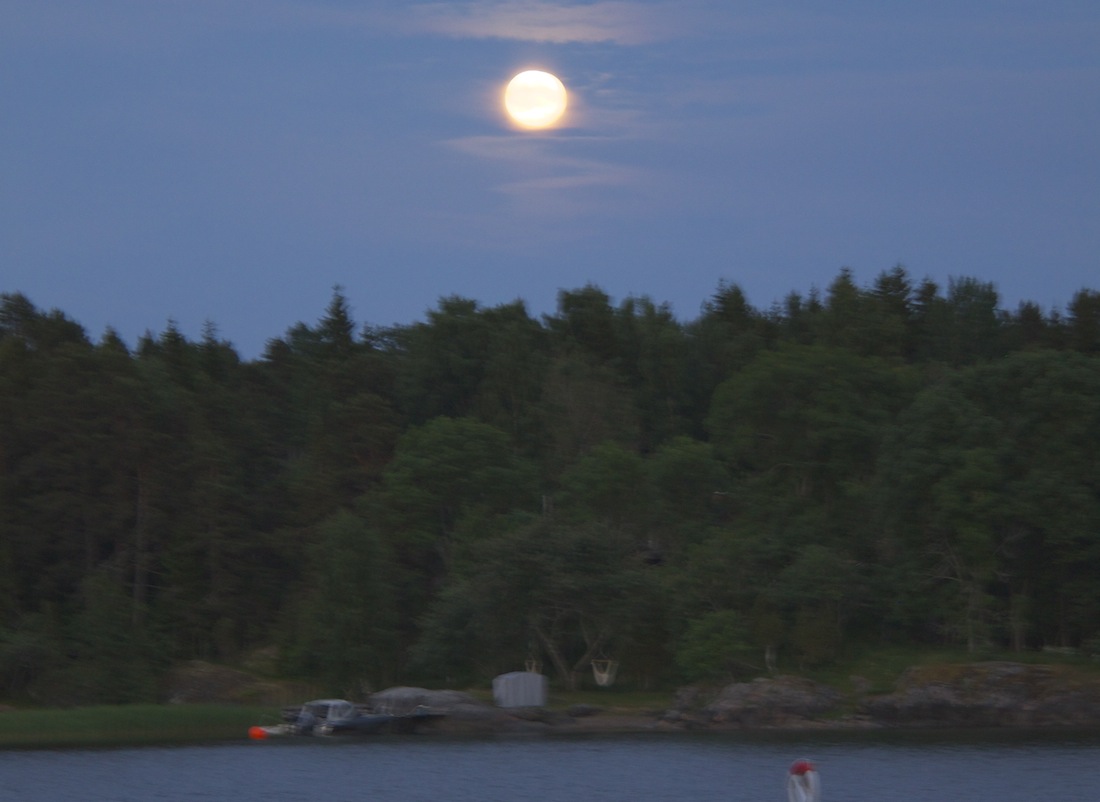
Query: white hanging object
point(604, 671)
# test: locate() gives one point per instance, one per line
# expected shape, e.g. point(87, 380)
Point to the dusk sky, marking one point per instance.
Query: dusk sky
point(232, 160)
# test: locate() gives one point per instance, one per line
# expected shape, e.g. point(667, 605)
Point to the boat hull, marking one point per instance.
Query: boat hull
point(318, 719)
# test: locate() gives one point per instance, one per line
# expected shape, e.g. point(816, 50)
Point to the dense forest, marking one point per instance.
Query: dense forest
point(440, 502)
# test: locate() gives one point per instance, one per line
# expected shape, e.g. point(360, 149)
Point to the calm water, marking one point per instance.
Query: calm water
point(859, 768)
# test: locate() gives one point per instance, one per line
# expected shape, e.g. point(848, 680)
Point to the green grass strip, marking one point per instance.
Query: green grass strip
point(129, 725)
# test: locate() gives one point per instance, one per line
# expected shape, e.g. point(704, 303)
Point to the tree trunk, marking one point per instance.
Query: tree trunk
point(557, 659)
point(141, 556)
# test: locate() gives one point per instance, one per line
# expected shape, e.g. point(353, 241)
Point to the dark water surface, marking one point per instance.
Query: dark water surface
point(854, 768)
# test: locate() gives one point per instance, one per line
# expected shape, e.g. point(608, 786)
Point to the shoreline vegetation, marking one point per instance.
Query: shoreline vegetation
point(127, 725)
point(993, 694)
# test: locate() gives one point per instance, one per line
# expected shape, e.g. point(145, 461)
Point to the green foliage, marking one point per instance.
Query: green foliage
point(713, 647)
point(689, 487)
point(30, 655)
point(564, 592)
point(869, 465)
point(584, 405)
point(608, 484)
point(117, 660)
point(447, 473)
point(989, 479)
point(344, 625)
point(816, 637)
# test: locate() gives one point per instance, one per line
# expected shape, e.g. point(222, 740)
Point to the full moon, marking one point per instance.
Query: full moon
point(535, 99)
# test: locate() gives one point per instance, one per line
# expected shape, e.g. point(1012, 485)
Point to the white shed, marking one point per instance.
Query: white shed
point(520, 689)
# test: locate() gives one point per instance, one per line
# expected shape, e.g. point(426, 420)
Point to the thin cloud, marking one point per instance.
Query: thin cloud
point(584, 175)
point(532, 154)
point(535, 173)
point(612, 21)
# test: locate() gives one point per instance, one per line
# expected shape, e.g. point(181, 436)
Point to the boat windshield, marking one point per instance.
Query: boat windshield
point(330, 709)
point(341, 711)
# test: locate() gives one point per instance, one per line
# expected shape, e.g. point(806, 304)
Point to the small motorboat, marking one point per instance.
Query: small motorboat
point(326, 717)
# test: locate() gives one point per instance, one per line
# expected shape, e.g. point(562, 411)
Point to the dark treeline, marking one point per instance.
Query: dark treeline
point(440, 502)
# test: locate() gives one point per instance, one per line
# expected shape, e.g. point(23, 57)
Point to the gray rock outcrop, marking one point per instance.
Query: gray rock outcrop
point(462, 713)
point(994, 694)
point(778, 702)
point(990, 694)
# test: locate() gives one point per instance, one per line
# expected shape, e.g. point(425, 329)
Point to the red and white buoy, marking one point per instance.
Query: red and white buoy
point(803, 784)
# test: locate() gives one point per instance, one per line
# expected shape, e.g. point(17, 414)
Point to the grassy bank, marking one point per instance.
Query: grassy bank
point(121, 725)
point(626, 701)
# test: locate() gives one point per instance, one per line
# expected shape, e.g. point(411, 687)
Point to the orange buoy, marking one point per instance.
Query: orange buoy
point(257, 733)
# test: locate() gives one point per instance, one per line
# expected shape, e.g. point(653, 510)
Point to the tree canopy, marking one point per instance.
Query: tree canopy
point(452, 498)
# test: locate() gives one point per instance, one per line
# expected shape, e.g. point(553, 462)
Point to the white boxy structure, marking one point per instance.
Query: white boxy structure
point(520, 689)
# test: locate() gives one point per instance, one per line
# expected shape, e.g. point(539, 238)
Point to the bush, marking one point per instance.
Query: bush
point(713, 646)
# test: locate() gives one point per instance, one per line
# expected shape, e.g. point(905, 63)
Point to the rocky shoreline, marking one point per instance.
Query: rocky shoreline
point(976, 695)
point(970, 695)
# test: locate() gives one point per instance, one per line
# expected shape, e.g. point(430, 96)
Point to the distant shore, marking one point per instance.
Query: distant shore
point(990, 695)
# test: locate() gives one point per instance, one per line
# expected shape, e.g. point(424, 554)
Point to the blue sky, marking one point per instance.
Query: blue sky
point(233, 160)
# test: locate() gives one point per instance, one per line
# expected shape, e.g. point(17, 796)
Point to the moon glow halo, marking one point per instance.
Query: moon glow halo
point(535, 99)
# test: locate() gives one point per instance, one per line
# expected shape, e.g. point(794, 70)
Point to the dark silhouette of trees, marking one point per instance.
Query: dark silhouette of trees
point(739, 492)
